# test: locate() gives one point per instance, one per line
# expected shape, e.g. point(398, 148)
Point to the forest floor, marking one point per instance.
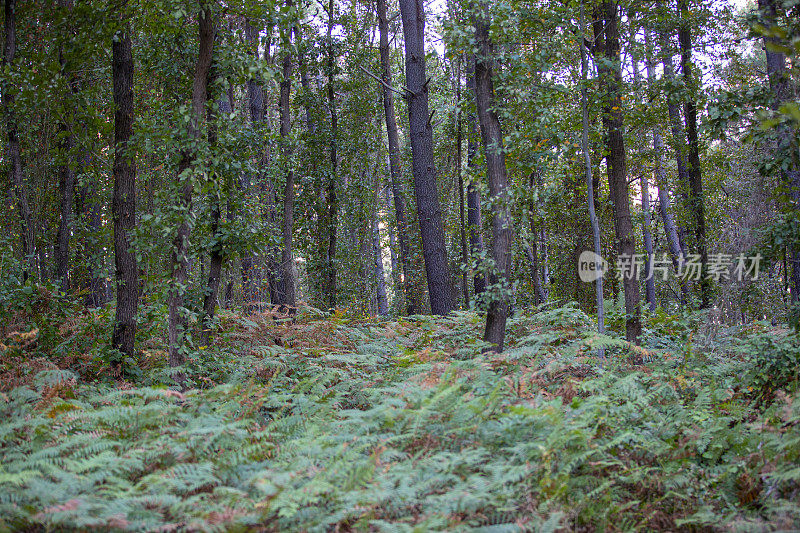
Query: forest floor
point(337, 423)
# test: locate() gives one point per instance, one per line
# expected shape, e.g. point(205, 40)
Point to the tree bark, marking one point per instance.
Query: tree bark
point(610, 75)
point(66, 176)
point(332, 216)
point(411, 305)
point(473, 194)
point(286, 282)
point(587, 160)
point(217, 257)
point(123, 204)
point(255, 99)
point(67, 195)
point(492, 137)
point(429, 210)
point(670, 229)
point(696, 196)
point(27, 234)
point(462, 227)
point(779, 83)
point(178, 320)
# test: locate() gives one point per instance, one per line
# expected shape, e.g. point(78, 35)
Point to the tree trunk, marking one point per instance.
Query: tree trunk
point(332, 216)
point(123, 204)
point(779, 83)
point(462, 227)
point(610, 75)
point(647, 237)
point(88, 205)
point(380, 275)
point(27, 235)
point(670, 229)
point(67, 195)
point(255, 98)
point(178, 320)
point(492, 138)
point(66, 176)
point(587, 160)
point(286, 282)
point(397, 283)
point(411, 305)
point(429, 211)
point(216, 256)
point(473, 194)
point(696, 197)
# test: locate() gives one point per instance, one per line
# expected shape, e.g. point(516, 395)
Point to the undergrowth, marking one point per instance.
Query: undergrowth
point(332, 423)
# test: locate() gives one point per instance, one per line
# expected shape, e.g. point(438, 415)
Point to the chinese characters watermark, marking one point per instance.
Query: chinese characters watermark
point(718, 267)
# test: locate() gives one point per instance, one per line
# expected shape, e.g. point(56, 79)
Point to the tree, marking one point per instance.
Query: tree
point(473, 193)
point(285, 286)
point(429, 210)
point(609, 72)
point(696, 197)
point(780, 87)
point(492, 137)
point(332, 215)
point(670, 229)
point(123, 204)
point(27, 235)
point(394, 159)
point(588, 172)
point(178, 320)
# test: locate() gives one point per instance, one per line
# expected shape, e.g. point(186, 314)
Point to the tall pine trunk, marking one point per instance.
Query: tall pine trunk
point(492, 137)
point(609, 72)
point(123, 204)
point(411, 305)
point(27, 230)
point(429, 210)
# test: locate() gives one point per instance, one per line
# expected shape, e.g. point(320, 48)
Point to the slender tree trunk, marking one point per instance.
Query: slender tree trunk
point(66, 176)
point(255, 98)
point(779, 83)
point(332, 215)
point(27, 230)
point(473, 194)
point(696, 196)
point(88, 205)
point(286, 283)
point(411, 305)
point(647, 237)
point(67, 194)
point(380, 275)
point(609, 72)
point(670, 229)
point(178, 320)
point(492, 137)
point(429, 210)
point(123, 204)
point(587, 160)
point(216, 256)
point(461, 206)
point(397, 283)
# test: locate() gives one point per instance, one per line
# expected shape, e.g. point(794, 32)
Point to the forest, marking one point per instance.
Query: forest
point(401, 266)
